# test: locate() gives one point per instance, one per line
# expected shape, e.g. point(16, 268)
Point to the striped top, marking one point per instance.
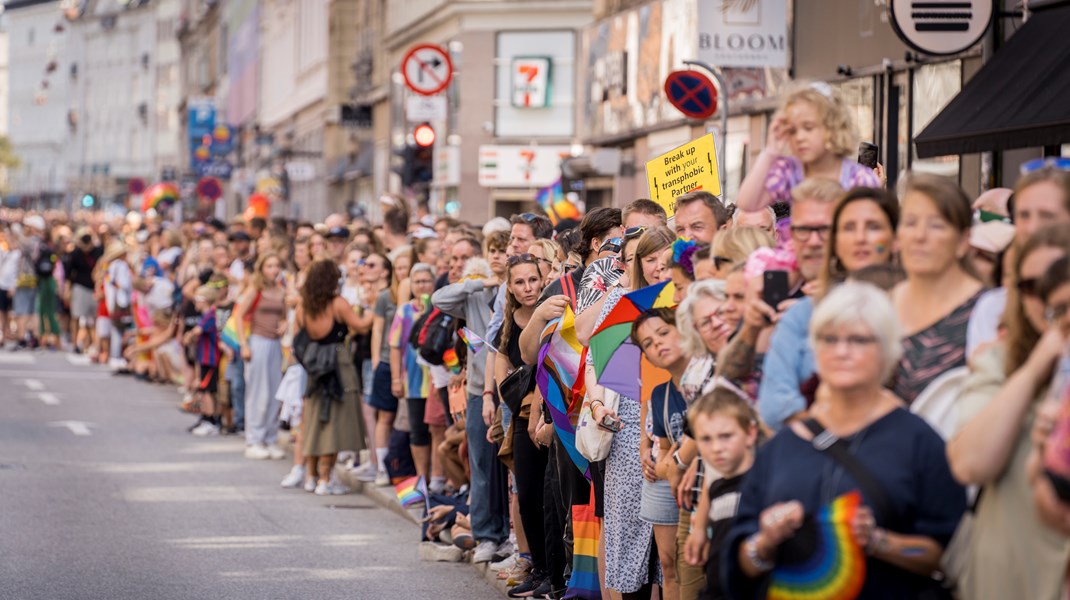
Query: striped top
point(932, 351)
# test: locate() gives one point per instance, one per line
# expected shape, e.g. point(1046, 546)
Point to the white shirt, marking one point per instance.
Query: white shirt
point(983, 326)
point(9, 268)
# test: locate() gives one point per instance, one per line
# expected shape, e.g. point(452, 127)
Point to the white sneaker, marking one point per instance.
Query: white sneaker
point(337, 488)
point(206, 429)
point(382, 479)
point(295, 478)
point(310, 485)
point(504, 565)
point(257, 452)
point(505, 551)
point(322, 489)
point(484, 551)
point(276, 453)
point(365, 472)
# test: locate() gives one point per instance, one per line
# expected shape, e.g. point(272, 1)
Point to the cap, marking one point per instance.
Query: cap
point(338, 232)
point(424, 233)
point(993, 236)
point(239, 236)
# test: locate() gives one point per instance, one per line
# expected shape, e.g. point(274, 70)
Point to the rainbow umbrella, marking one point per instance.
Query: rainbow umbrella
point(618, 363)
point(159, 196)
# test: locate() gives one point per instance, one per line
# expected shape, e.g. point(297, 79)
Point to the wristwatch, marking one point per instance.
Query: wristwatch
point(679, 463)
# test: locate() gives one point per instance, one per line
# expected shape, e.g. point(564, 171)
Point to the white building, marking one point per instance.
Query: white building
point(112, 68)
point(38, 100)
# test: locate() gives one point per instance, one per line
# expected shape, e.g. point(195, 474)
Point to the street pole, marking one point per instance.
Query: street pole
point(724, 117)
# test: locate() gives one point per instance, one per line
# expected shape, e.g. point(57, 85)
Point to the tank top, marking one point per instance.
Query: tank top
point(269, 313)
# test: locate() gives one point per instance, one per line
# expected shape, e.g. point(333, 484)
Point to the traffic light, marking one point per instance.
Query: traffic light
point(415, 161)
point(88, 201)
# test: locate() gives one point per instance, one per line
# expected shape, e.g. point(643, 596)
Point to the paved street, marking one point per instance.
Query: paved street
point(104, 495)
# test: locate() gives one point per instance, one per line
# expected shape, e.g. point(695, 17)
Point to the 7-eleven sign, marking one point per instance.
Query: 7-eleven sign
point(531, 81)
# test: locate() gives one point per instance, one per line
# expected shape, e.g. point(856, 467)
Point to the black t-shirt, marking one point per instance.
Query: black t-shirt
point(724, 501)
point(512, 345)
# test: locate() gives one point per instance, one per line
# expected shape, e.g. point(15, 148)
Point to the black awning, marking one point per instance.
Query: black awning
point(1019, 99)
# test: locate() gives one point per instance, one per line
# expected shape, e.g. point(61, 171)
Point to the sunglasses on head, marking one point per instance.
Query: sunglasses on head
point(611, 245)
point(526, 257)
point(634, 232)
point(1056, 162)
point(529, 217)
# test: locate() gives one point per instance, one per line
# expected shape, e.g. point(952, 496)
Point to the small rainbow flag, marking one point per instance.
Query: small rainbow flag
point(552, 199)
point(449, 360)
point(473, 341)
point(583, 585)
point(836, 570)
point(412, 491)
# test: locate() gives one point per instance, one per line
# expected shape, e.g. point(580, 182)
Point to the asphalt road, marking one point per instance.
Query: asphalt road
point(103, 494)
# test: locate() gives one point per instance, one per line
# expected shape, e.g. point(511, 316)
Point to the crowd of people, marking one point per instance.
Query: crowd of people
point(859, 392)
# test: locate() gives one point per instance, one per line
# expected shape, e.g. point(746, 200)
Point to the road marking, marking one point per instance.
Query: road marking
point(34, 384)
point(152, 468)
point(48, 398)
point(196, 493)
point(17, 359)
point(84, 375)
point(76, 427)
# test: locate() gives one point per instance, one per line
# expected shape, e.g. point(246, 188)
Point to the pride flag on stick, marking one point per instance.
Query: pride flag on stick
point(412, 491)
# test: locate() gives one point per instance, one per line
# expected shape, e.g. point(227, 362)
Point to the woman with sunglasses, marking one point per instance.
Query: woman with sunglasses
point(1011, 552)
point(530, 434)
point(626, 537)
point(732, 247)
point(862, 234)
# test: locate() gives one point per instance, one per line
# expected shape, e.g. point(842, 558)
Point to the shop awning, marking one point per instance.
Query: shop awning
point(1019, 99)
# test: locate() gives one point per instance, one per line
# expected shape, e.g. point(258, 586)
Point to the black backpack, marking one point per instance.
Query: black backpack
point(46, 262)
point(435, 335)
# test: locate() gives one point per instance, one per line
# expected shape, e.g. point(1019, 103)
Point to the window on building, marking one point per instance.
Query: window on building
point(934, 86)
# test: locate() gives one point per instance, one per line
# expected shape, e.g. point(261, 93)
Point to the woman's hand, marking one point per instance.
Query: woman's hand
point(683, 489)
point(246, 353)
point(649, 467)
point(544, 434)
point(552, 308)
point(779, 522)
point(862, 527)
point(396, 388)
point(1047, 350)
point(488, 409)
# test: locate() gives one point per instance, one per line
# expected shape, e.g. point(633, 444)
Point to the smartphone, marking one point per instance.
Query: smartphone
point(774, 288)
point(610, 424)
point(867, 154)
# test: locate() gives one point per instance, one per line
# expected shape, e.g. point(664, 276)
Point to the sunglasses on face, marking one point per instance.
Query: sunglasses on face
point(1027, 287)
point(634, 232)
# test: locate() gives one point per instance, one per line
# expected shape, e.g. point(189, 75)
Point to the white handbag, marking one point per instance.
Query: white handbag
point(593, 441)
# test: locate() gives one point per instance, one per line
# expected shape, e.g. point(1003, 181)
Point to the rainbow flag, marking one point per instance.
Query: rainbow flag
point(412, 491)
point(473, 341)
point(229, 334)
point(583, 585)
point(552, 200)
point(560, 381)
point(836, 569)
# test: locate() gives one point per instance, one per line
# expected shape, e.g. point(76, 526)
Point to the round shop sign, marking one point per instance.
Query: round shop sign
point(941, 27)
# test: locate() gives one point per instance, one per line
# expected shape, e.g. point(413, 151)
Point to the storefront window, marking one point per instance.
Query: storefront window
point(858, 95)
point(934, 86)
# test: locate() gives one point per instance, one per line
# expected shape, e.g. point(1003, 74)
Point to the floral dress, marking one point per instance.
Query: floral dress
point(627, 536)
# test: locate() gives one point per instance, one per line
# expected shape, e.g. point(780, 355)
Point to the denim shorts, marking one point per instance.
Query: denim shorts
point(25, 301)
point(657, 506)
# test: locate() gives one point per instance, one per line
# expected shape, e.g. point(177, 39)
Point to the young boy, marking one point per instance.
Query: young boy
point(725, 428)
point(206, 335)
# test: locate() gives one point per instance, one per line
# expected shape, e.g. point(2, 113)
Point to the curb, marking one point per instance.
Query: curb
point(384, 497)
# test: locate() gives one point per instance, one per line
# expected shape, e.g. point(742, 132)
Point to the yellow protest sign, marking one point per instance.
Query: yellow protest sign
point(686, 168)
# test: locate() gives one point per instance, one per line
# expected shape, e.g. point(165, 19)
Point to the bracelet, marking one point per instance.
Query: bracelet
point(487, 393)
point(598, 401)
point(750, 548)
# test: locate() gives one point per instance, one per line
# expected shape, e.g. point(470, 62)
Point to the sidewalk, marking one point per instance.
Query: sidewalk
point(385, 497)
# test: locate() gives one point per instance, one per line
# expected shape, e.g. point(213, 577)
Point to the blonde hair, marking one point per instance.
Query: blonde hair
point(651, 242)
point(737, 243)
point(257, 280)
point(835, 115)
point(551, 250)
point(818, 189)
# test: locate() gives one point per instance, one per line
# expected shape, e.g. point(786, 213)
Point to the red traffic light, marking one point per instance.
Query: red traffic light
point(424, 135)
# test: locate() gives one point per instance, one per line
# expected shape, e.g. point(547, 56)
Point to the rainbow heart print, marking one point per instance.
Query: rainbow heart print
point(836, 569)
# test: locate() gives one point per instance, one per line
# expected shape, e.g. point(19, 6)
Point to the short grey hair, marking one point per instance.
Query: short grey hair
point(685, 321)
point(422, 267)
point(856, 302)
point(768, 209)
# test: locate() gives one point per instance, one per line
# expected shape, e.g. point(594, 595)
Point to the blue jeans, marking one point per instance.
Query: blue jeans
point(235, 375)
point(481, 457)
